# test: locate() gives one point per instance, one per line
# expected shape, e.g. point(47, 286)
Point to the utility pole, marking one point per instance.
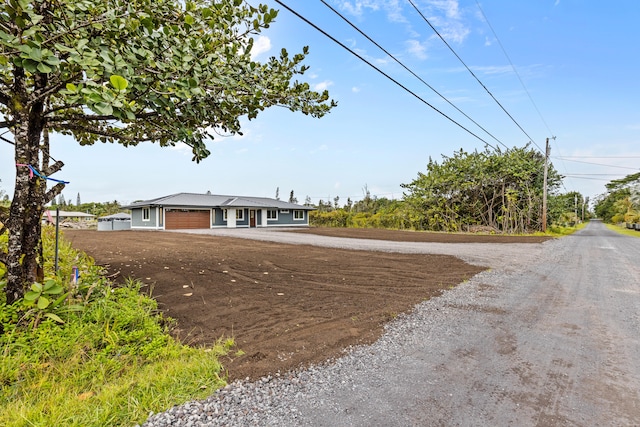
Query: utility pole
point(544, 188)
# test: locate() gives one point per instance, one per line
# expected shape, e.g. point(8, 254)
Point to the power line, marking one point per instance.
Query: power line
point(410, 71)
point(597, 157)
point(381, 72)
point(513, 67)
point(473, 74)
point(601, 164)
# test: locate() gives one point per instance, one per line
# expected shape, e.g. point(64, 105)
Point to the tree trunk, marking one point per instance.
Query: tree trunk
point(25, 212)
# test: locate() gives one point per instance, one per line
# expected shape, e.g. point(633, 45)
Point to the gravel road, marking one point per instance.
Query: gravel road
point(548, 337)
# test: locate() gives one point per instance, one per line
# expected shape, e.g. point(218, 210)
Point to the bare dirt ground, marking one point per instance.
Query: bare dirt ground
point(286, 305)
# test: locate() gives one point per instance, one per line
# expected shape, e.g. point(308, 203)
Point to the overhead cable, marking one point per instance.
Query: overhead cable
point(411, 71)
point(381, 72)
point(473, 74)
point(601, 164)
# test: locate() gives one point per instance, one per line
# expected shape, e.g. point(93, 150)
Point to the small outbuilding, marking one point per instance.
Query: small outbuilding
point(196, 211)
point(119, 221)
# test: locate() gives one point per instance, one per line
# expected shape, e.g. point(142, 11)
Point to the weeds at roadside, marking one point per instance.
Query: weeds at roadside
point(91, 354)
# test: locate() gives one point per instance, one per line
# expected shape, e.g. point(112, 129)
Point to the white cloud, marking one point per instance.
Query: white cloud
point(260, 45)
point(355, 89)
point(318, 87)
point(417, 49)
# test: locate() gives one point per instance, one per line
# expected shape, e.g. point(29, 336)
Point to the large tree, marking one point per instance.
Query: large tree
point(498, 189)
point(126, 71)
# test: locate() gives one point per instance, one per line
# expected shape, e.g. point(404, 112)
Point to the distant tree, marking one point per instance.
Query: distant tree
point(292, 198)
point(336, 201)
point(307, 201)
point(620, 203)
point(61, 201)
point(349, 204)
point(78, 200)
point(277, 193)
point(162, 71)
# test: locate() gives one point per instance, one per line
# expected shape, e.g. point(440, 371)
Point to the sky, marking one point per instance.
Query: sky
point(560, 69)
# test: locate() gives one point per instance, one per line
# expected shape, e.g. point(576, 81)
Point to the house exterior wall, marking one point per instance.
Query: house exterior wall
point(287, 218)
point(137, 220)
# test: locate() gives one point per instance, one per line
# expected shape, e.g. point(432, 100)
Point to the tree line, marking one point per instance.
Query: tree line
point(491, 190)
point(621, 202)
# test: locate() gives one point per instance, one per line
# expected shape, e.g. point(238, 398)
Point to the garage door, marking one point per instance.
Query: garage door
point(180, 220)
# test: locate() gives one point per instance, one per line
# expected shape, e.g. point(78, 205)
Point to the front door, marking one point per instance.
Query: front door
point(252, 218)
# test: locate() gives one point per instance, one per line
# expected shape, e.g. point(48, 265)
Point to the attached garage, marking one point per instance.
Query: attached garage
point(181, 219)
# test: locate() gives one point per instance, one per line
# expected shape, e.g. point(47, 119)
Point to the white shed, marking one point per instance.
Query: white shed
point(119, 221)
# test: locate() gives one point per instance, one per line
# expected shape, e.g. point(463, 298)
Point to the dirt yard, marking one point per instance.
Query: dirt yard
point(286, 305)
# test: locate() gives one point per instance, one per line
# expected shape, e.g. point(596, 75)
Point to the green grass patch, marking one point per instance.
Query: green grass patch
point(559, 231)
point(110, 363)
point(623, 230)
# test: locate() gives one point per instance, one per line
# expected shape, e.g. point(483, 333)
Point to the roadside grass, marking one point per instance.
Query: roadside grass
point(112, 361)
point(559, 231)
point(623, 230)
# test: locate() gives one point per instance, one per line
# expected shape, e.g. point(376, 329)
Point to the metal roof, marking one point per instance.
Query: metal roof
point(195, 200)
point(117, 216)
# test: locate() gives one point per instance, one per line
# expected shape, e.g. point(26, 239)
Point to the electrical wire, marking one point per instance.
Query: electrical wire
point(602, 164)
point(381, 72)
point(411, 71)
point(513, 67)
point(473, 74)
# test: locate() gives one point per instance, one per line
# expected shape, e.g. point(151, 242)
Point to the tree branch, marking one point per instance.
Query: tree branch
point(51, 194)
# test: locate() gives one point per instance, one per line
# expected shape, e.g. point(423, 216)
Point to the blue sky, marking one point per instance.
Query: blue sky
point(577, 67)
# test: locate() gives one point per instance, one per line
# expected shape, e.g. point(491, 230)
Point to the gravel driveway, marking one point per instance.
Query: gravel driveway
point(547, 337)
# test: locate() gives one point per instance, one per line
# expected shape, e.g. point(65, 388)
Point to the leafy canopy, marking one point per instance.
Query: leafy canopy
point(130, 71)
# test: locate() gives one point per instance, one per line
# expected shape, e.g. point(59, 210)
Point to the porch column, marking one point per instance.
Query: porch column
point(263, 218)
point(231, 218)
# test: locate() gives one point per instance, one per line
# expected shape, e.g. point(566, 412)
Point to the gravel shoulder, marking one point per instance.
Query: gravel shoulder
point(549, 336)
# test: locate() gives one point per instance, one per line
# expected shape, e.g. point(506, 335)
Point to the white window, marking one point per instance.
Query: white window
point(239, 214)
point(146, 214)
point(272, 214)
point(298, 215)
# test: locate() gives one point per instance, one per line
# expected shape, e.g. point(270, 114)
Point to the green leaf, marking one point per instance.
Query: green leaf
point(44, 68)
point(43, 302)
point(30, 65)
point(54, 317)
point(35, 54)
point(118, 82)
point(72, 88)
point(31, 296)
point(54, 290)
point(103, 108)
point(52, 60)
point(36, 287)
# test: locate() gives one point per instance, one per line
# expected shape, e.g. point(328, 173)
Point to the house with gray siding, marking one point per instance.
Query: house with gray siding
point(193, 211)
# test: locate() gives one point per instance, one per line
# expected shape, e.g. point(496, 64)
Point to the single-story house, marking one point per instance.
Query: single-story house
point(119, 221)
point(192, 211)
point(51, 214)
